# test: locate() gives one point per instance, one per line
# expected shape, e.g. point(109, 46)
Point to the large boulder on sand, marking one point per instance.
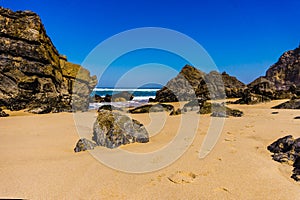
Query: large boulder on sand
point(112, 129)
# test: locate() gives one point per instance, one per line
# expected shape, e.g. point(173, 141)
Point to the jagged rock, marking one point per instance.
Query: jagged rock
point(266, 88)
point(83, 145)
point(285, 73)
point(216, 109)
point(3, 114)
point(282, 144)
point(112, 129)
point(282, 80)
point(192, 83)
point(251, 98)
point(287, 150)
point(152, 108)
point(109, 107)
point(292, 104)
point(233, 87)
point(32, 73)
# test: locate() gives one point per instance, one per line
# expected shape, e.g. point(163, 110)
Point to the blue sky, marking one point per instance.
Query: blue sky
point(243, 37)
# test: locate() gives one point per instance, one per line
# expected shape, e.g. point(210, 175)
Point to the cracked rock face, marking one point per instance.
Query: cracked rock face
point(33, 75)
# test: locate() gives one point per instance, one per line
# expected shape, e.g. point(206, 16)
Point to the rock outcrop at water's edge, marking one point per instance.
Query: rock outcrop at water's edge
point(33, 75)
point(192, 83)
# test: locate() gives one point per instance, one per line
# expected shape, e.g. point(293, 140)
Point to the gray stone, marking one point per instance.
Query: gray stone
point(112, 129)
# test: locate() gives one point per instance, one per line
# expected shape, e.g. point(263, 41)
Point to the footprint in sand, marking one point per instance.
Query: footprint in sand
point(181, 177)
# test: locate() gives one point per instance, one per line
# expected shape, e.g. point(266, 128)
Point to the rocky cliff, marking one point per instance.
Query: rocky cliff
point(33, 75)
point(286, 71)
point(282, 80)
point(192, 83)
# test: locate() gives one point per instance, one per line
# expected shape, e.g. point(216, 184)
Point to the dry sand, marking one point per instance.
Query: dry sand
point(37, 161)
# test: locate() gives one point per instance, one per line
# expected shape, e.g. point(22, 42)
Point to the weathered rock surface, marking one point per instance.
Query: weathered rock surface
point(152, 108)
point(83, 145)
point(282, 80)
point(292, 104)
point(287, 150)
point(268, 90)
point(32, 73)
point(192, 83)
point(112, 129)
point(286, 71)
point(252, 98)
point(204, 107)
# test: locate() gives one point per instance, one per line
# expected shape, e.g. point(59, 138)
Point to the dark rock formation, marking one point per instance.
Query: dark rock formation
point(3, 114)
point(268, 90)
point(233, 87)
point(119, 97)
point(252, 98)
point(292, 104)
point(112, 129)
point(282, 80)
point(152, 108)
point(217, 109)
point(287, 150)
point(32, 73)
point(192, 83)
point(285, 73)
point(83, 145)
point(109, 107)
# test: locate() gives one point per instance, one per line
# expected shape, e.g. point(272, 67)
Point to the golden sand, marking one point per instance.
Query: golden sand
point(37, 160)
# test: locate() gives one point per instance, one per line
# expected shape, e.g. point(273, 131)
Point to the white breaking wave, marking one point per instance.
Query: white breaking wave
point(139, 98)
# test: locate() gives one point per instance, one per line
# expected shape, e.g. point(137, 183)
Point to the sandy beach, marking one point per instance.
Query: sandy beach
point(38, 161)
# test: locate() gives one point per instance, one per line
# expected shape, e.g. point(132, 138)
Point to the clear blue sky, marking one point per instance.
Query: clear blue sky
point(243, 37)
